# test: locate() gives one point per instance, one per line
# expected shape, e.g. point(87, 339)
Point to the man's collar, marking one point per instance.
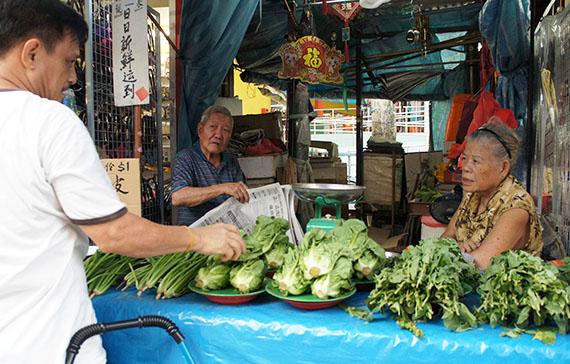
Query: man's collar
point(224, 156)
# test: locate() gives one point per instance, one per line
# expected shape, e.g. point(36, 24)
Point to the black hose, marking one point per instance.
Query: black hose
point(102, 327)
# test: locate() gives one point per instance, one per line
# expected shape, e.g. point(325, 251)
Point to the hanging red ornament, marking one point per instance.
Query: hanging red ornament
point(325, 7)
point(346, 11)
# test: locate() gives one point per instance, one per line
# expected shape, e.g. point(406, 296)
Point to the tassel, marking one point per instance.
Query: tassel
point(325, 7)
point(346, 56)
point(345, 94)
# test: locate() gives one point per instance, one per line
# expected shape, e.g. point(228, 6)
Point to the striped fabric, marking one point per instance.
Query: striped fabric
point(192, 169)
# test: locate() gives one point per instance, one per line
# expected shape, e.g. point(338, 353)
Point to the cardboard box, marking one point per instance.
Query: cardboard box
point(263, 166)
point(270, 123)
point(451, 176)
point(416, 162)
point(125, 176)
point(326, 170)
point(331, 148)
point(378, 178)
point(258, 182)
point(419, 208)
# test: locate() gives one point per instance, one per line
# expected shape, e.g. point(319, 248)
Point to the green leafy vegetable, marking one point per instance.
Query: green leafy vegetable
point(518, 289)
point(104, 270)
point(336, 282)
point(276, 255)
point(372, 260)
point(428, 280)
point(547, 334)
point(351, 234)
point(175, 282)
point(564, 269)
point(426, 194)
point(214, 276)
point(289, 279)
point(267, 230)
point(319, 253)
point(248, 277)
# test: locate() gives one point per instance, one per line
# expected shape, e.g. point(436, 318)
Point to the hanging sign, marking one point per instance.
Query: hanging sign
point(346, 11)
point(311, 60)
point(130, 53)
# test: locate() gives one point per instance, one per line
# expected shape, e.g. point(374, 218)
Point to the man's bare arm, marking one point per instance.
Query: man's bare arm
point(134, 236)
point(194, 196)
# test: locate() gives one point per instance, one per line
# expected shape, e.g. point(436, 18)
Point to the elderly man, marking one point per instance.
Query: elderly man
point(204, 175)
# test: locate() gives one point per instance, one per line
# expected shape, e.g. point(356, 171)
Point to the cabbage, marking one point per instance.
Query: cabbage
point(319, 253)
point(213, 277)
point(248, 277)
point(266, 232)
point(367, 266)
point(371, 261)
point(289, 278)
point(275, 256)
point(335, 283)
point(352, 234)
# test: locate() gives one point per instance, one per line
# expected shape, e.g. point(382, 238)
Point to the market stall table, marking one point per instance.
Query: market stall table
point(268, 330)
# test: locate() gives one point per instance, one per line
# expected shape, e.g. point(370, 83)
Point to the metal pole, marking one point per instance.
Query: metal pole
point(89, 86)
point(359, 136)
point(138, 131)
point(291, 85)
point(291, 130)
point(530, 134)
point(160, 169)
point(393, 216)
point(320, 2)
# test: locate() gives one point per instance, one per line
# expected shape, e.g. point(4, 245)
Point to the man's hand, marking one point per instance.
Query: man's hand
point(468, 246)
point(237, 190)
point(221, 239)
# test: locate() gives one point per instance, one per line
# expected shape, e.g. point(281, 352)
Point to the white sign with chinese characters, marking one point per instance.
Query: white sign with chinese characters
point(130, 53)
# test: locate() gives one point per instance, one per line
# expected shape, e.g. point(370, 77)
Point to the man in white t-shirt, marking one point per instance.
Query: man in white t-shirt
point(55, 193)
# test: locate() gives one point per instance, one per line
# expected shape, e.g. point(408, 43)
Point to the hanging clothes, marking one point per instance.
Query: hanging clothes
point(210, 35)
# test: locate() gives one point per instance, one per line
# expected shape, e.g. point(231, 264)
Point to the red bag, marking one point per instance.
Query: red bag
point(455, 116)
point(486, 108)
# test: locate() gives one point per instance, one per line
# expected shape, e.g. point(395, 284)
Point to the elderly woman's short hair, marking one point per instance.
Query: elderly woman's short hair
point(216, 109)
point(503, 142)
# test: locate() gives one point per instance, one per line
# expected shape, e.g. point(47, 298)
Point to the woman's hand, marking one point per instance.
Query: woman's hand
point(469, 245)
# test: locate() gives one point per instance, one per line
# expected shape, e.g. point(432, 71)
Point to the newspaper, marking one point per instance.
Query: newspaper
point(270, 200)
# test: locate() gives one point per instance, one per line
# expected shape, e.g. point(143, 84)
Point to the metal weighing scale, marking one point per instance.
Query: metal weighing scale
point(327, 195)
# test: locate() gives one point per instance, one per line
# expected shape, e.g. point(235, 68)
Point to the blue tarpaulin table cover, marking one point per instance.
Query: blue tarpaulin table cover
point(267, 330)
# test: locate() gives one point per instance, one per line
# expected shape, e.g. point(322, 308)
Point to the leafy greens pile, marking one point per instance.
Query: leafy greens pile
point(518, 289)
point(104, 270)
point(426, 194)
point(266, 243)
point(325, 262)
point(564, 269)
point(427, 281)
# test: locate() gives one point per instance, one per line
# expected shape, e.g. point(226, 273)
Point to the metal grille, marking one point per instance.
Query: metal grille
point(113, 128)
point(562, 144)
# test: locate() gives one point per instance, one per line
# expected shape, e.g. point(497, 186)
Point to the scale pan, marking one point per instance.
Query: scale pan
point(330, 192)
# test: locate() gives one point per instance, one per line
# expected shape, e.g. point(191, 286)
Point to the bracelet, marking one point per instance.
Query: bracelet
point(191, 239)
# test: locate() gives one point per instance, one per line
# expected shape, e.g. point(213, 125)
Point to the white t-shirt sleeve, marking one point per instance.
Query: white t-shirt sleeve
point(74, 170)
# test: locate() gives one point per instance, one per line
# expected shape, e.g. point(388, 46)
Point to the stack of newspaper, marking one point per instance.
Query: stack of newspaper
point(270, 200)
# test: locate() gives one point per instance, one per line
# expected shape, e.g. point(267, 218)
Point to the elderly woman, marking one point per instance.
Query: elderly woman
point(496, 213)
